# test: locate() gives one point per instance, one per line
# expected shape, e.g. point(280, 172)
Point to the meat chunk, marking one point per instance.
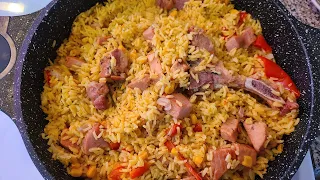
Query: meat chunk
point(102, 103)
point(92, 141)
point(95, 89)
point(102, 39)
point(180, 106)
point(204, 78)
point(203, 42)
point(149, 33)
point(218, 163)
point(67, 143)
point(215, 80)
point(120, 66)
point(242, 151)
point(263, 90)
point(97, 92)
point(165, 4)
point(244, 40)
point(248, 37)
point(229, 130)
point(257, 133)
point(182, 66)
point(179, 4)
point(155, 65)
point(177, 106)
point(73, 61)
point(288, 107)
point(141, 84)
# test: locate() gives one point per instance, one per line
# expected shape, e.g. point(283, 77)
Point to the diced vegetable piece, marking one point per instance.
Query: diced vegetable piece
point(243, 16)
point(114, 146)
point(247, 161)
point(272, 69)
point(173, 130)
point(139, 171)
point(116, 173)
point(76, 171)
point(92, 171)
point(262, 43)
point(197, 127)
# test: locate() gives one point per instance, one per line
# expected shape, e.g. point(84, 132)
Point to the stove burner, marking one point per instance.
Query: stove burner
point(5, 53)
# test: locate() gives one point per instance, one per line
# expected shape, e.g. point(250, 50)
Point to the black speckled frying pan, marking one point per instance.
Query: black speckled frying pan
point(296, 47)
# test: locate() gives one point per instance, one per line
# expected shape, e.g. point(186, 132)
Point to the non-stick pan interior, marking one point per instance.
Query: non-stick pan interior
point(55, 24)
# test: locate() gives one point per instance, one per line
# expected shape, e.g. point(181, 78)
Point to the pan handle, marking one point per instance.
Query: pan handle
point(311, 39)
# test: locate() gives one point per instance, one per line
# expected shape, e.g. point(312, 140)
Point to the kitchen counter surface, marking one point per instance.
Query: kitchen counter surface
point(18, 27)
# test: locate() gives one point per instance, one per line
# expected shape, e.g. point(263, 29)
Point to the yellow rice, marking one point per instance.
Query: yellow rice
point(65, 101)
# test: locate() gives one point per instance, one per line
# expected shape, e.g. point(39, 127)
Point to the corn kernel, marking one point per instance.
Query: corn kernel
point(143, 155)
point(197, 160)
point(92, 171)
point(194, 119)
point(280, 147)
point(170, 88)
point(234, 11)
point(76, 172)
point(122, 48)
point(133, 54)
point(174, 151)
point(173, 13)
point(75, 165)
point(247, 161)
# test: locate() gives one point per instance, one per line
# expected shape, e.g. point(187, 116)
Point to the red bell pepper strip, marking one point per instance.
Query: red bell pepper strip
point(173, 130)
point(272, 69)
point(114, 146)
point(188, 166)
point(115, 174)
point(197, 127)
point(243, 16)
point(262, 43)
point(139, 171)
point(47, 76)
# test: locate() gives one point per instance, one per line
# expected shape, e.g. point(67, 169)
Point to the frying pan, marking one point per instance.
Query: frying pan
point(296, 48)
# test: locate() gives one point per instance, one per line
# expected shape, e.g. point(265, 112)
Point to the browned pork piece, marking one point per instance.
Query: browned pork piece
point(245, 154)
point(155, 65)
point(219, 163)
point(67, 143)
point(182, 66)
point(288, 107)
point(244, 40)
point(178, 106)
point(229, 130)
point(257, 133)
point(203, 42)
point(97, 92)
point(91, 140)
point(141, 84)
point(149, 33)
point(165, 4)
point(120, 66)
point(73, 61)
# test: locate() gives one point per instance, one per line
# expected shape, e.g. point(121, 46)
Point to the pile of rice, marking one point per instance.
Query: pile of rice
point(134, 112)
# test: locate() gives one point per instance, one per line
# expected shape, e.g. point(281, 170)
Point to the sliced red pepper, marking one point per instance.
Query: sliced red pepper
point(262, 43)
point(197, 127)
point(114, 146)
point(115, 174)
point(173, 130)
point(139, 171)
point(188, 166)
point(47, 76)
point(272, 69)
point(192, 171)
point(243, 16)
